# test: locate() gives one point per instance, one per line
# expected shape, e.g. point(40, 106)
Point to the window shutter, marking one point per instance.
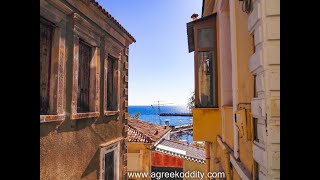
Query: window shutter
point(110, 84)
point(45, 62)
point(84, 77)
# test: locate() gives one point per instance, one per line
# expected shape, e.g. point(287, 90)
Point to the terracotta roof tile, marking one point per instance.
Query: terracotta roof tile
point(136, 136)
point(142, 131)
point(192, 152)
point(96, 4)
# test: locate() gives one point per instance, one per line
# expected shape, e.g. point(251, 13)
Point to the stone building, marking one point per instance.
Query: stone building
point(83, 91)
point(236, 48)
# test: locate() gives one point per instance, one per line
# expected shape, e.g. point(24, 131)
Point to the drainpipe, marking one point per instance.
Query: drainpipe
point(234, 61)
point(207, 156)
point(226, 158)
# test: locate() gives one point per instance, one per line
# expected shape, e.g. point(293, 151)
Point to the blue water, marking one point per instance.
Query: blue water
point(150, 114)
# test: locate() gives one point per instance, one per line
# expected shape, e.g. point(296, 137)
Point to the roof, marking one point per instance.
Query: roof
point(101, 9)
point(142, 131)
point(190, 36)
point(181, 150)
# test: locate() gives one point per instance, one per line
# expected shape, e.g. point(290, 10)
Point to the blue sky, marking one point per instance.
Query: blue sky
point(160, 67)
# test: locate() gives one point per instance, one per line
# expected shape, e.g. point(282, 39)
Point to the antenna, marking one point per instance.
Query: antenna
point(158, 107)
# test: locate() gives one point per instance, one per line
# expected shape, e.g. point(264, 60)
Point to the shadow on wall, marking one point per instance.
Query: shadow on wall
point(92, 166)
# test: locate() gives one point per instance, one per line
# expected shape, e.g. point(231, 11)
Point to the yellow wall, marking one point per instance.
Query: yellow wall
point(206, 124)
point(234, 74)
point(192, 166)
point(240, 58)
point(244, 79)
point(227, 121)
point(144, 149)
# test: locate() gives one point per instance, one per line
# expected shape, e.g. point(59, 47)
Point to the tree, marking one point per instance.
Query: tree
point(190, 104)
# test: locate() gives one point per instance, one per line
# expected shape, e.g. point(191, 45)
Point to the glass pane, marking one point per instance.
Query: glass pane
point(205, 38)
point(109, 166)
point(207, 86)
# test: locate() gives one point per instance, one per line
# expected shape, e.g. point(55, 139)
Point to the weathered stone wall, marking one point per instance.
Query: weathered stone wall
point(70, 143)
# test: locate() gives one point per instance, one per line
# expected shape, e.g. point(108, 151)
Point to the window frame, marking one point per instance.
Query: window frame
point(50, 27)
point(116, 84)
point(207, 23)
point(106, 148)
point(114, 50)
point(91, 50)
point(56, 13)
point(84, 31)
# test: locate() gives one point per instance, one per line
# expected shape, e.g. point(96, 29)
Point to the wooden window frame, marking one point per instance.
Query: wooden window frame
point(106, 148)
point(56, 13)
point(204, 24)
point(114, 50)
point(116, 84)
point(90, 83)
point(46, 71)
point(90, 35)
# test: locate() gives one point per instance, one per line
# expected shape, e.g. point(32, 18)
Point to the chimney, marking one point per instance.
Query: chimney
point(194, 16)
point(167, 123)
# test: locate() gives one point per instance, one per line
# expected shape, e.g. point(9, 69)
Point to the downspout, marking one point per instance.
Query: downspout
point(226, 158)
point(234, 60)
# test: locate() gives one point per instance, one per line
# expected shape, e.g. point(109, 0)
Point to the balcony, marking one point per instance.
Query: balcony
point(206, 124)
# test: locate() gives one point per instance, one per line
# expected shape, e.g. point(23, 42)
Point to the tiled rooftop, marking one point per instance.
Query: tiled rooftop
point(142, 131)
point(181, 150)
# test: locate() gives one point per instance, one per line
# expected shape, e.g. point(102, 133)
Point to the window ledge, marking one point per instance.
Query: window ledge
point(111, 113)
point(52, 118)
point(85, 115)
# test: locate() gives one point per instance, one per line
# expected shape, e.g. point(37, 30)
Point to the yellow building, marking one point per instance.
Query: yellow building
point(142, 136)
point(236, 48)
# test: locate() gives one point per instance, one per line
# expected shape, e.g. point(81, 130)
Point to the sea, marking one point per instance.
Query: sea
point(150, 114)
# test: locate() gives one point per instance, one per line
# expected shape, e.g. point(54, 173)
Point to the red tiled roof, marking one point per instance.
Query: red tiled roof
point(136, 136)
point(141, 131)
point(96, 4)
